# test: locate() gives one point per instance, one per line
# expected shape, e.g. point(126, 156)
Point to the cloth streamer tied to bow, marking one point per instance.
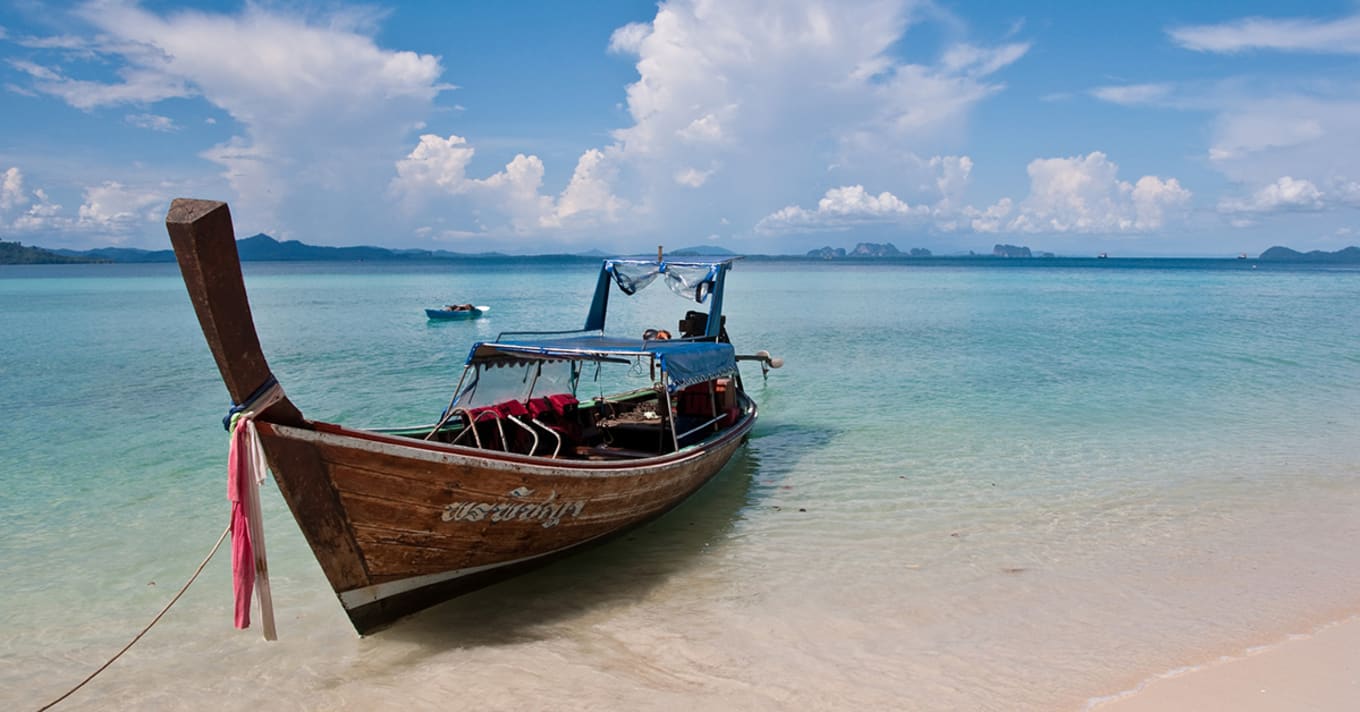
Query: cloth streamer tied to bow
point(246, 469)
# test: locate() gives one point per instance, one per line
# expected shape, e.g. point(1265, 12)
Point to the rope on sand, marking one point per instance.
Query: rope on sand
point(153, 622)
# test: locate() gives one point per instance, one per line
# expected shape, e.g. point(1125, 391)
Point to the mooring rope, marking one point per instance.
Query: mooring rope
point(153, 622)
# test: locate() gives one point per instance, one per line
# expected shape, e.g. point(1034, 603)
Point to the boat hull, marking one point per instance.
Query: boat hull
point(399, 525)
point(450, 315)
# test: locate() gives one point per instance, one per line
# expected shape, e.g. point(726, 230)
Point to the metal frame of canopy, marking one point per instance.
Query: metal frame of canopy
point(682, 362)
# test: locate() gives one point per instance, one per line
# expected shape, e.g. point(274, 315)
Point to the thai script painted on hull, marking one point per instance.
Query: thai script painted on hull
point(549, 511)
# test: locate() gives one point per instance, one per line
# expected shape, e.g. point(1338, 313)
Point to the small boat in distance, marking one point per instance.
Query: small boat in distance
point(456, 312)
point(1102, 256)
point(552, 440)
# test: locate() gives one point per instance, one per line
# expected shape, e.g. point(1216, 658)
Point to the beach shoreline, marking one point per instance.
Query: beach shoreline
point(1318, 670)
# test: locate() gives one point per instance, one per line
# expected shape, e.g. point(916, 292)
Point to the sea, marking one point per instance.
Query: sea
point(974, 485)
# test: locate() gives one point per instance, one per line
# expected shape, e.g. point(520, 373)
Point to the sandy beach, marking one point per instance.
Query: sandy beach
point(1319, 671)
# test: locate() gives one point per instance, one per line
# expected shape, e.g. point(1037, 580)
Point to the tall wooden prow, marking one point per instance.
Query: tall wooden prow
point(205, 246)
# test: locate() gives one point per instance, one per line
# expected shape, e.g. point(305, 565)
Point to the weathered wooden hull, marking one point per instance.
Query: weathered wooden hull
point(399, 524)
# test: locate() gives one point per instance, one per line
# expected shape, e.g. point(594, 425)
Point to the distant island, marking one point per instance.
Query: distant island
point(1016, 251)
point(263, 248)
point(866, 249)
point(1349, 255)
point(14, 253)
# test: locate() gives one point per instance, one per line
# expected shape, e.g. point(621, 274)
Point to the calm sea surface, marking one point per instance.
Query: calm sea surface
point(981, 486)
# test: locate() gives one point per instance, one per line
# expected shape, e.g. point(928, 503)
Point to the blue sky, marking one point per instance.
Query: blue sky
point(1150, 128)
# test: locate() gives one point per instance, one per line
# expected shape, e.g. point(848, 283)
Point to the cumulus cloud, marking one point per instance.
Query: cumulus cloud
point(991, 218)
point(1290, 138)
point(25, 211)
point(1081, 194)
point(952, 177)
point(322, 112)
point(725, 89)
point(840, 209)
point(1285, 194)
point(1260, 134)
point(1084, 194)
point(736, 108)
point(437, 167)
point(628, 39)
point(115, 210)
point(1341, 36)
point(847, 206)
point(588, 198)
point(12, 189)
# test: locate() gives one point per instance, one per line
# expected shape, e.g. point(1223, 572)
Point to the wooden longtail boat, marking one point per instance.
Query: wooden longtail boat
point(522, 467)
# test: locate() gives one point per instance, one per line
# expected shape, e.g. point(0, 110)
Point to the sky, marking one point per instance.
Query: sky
point(761, 126)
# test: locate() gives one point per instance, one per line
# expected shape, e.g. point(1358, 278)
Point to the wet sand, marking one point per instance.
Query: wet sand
point(1318, 672)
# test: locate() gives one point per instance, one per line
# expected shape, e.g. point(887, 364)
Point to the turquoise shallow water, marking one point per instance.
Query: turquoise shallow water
point(974, 485)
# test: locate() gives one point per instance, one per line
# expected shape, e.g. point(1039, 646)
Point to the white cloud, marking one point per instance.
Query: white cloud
point(692, 177)
point(12, 190)
point(628, 39)
point(37, 71)
point(1256, 138)
point(1259, 129)
point(43, 215)
point(1345, 192)
point(724, 90)
point(152, 122)
point(1291, 141)
point(1083, 194)
point(737, 106)
point(727, 90)
point(137, 87)
point(323, 112)
point(437, 168)
point(841, 208)
point(703, 129)
point(1284, 195)
point(1290, 35)
point(990, 219)
point(115, 209)
point(954, 173)
point(436, 163)
point(32, 210)
point(1132, 94)
point(966, 59)
point(1153, 198)
point(588, 196)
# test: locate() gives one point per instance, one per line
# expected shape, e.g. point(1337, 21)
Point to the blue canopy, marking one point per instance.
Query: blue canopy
point(684, 362)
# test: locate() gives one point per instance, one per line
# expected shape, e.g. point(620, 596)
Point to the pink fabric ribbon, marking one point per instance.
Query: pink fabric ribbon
point(246, 468)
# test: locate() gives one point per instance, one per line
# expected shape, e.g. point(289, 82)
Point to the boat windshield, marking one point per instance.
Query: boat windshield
point(486, 384)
